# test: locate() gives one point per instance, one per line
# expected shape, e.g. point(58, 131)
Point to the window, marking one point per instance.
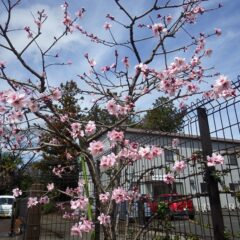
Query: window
point(203, 187)
point(163, 188)
point(234, 187)
point(160, 188)
point(8, 201)
point(232, 159)
point(179, 188)
point(171, 155)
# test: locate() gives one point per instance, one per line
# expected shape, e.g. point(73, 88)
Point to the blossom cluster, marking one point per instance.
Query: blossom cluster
point(77, 131)
point(80, 203)
point(104, 219)
point(34, 201)
point(60, 170)
point(130, 152)
point(215, 159)
point(17, 192)
point(171, 79)
point(15, 103)
point(84, 226)
point(117, 109)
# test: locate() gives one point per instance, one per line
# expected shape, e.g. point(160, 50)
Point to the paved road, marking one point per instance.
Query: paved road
point(200, 226)
point(5, 224)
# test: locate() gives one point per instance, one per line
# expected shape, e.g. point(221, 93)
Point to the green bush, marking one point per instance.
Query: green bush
point(49, 208)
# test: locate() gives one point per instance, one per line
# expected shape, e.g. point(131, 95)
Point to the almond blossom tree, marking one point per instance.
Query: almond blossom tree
point(143, 62)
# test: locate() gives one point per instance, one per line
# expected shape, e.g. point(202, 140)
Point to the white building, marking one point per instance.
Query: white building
point(149, 173)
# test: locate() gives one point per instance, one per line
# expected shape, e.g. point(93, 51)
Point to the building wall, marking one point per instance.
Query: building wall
point(190, 181)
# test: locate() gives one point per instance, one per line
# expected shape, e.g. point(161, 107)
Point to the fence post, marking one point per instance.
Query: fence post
point(13, 217)
point(212, 183)
point(34, 215)
point(141, 212)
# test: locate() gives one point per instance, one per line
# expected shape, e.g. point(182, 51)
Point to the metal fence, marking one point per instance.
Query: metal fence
point(203, 203)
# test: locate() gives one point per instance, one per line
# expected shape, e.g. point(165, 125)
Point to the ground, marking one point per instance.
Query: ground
point(54, 227)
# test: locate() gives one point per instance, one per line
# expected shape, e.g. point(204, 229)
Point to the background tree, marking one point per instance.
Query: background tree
point(163, 117)
point(14, 172)
point(66, 157)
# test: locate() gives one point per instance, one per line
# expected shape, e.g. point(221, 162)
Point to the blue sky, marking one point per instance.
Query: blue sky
point(226, 48)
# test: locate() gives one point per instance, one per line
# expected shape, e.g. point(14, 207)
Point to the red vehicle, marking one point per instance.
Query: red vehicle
point(178, 205)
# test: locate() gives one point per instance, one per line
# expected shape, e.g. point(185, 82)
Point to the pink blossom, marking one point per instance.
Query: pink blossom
point(119, 195)
point(168, 178)
point(64, 118)
point(76, 130)
point(16, 191)
point(112, 107)
point(68, 156)
point(104, 197)
point(126, 62)
point(1, 131)
point(44, 200)
point(179, 166)
point(113, 65)
point(158, 28)
point(2, 64)
point(195, 61)
point(15, 116)
point(198, 10)
point(76, 230)
point(17, 100)
point(214, 160)
point(108, 161)
point(175, 142)
point(208, 52)
point(143, 68)
point(56, 94)
point(80, 203)
point(156, 151)
point(130, 154)
point(192, 88)
point(107, 26)
point(182, 105)
point(218, 31)
point(133, 194)
point(67, 21)
point(169, 19)
point(2, 109)
point(32, 201)
point(29, 32)
point(105, 69)
point(64, 6)
point(58, 171)
point(104, 219)
point(116, 136)
point(50, 187)
point(96, 147)
point(92, 62)
point(80, 12)
point(222, 87)
point(33, 106)
point(145, 152)
point(38, 23)
point(81, 227)
point(87, 225)
point(122, 110)
point(90, 128)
